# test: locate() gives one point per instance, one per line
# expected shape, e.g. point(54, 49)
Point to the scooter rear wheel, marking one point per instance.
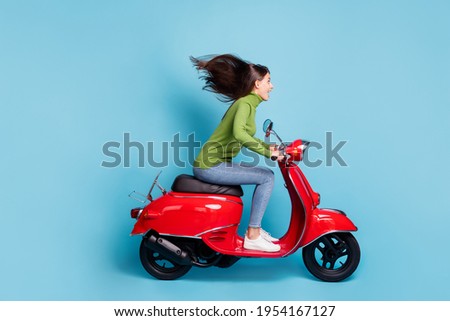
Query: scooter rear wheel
point(332, 257)
point(159, 266)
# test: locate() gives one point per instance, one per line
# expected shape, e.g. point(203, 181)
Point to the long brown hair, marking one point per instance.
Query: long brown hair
point(228, 75)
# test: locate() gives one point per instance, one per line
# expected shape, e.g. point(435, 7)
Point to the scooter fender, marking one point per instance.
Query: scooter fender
point(324, 221)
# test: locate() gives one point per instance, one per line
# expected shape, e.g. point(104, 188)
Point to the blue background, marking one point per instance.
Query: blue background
point(77, 74)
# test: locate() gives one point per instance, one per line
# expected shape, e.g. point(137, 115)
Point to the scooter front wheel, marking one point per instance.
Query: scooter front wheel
point(332, 257)
point(159, 266)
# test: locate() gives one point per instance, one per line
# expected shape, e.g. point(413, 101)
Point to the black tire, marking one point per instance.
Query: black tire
point(332, 257)
point(159, 266)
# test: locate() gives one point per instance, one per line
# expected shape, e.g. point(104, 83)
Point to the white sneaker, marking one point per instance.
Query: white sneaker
point(260, 244)
point(267, 236)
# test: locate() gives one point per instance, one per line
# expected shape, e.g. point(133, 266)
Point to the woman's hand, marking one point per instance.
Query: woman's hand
point(276, 155)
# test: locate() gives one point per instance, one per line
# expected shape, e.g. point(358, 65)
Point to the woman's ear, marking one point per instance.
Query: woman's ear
point(257, 84)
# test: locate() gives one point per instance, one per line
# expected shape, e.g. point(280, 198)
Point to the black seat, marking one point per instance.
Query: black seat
point(189, 184)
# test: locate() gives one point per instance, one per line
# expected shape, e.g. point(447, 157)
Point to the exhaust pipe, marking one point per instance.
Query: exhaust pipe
point(167, 249)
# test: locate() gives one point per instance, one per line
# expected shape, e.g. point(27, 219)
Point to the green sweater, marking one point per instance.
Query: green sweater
point(235, 131)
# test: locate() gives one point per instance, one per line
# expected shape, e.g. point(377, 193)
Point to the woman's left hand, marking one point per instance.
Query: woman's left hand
point(276, 155)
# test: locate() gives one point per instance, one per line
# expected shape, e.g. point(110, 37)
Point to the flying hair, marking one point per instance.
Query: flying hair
point(228, 75)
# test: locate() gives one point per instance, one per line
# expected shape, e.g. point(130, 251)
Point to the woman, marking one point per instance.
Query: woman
point(246, 85)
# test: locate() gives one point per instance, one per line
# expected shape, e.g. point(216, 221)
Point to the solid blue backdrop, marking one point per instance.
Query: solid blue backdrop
point(75, 75)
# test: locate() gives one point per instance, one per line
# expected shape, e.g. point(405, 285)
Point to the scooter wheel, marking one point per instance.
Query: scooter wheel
point(332, 257)
point(159, 266)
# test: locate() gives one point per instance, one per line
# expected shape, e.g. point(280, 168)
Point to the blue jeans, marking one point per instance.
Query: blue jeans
point(238, 174)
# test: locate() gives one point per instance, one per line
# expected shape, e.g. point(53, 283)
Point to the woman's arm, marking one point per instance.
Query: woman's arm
point(241, 135)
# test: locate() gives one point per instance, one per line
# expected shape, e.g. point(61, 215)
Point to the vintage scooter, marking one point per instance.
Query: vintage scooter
point(196, 224)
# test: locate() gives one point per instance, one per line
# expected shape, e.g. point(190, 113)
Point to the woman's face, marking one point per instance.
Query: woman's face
point(263, 87)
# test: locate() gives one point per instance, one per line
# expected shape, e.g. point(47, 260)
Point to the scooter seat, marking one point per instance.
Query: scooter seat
point(189, 184)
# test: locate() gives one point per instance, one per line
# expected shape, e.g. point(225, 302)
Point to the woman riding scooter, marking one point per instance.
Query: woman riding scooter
point(196, 223)
point(246, 85)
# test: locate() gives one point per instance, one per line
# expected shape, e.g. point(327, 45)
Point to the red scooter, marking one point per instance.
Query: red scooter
point(196, 223)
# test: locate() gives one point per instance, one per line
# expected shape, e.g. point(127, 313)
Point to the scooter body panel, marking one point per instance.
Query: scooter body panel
point(325, 221)
point(307, 221)
point(189, 214)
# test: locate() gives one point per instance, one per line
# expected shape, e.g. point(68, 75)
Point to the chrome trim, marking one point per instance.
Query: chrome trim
point(167, 234)
point(213, 197)
point(177, 235)
point(131, 195)
point(332, 231)
point(215, 229)
point(198, 236)
point(336, 210)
